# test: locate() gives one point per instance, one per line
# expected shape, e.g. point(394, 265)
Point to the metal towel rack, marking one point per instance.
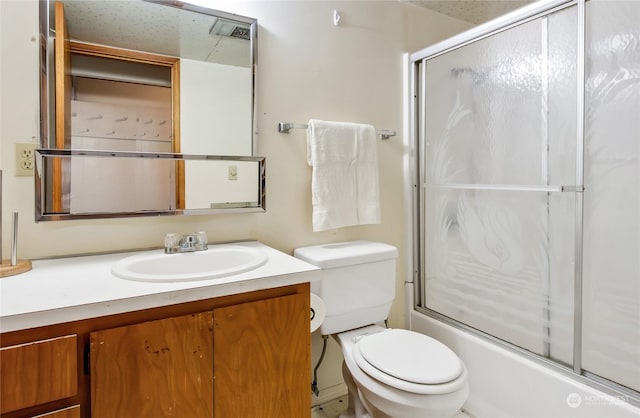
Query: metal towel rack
point(285, 127)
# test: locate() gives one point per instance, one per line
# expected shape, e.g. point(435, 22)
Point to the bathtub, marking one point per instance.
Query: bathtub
point(504, 383)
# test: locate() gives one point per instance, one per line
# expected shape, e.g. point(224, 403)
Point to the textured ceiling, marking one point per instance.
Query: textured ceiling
point(473, 11)
point(155, 28)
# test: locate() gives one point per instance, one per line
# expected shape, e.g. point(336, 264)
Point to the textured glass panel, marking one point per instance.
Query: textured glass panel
point(502, 110)
point(611, 298)
point(502, 262)
point(561, 135)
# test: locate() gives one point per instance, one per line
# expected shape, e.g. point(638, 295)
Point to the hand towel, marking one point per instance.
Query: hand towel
point(344, 180)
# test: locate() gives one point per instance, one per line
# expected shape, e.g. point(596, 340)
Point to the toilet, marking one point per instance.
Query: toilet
point(393, 373)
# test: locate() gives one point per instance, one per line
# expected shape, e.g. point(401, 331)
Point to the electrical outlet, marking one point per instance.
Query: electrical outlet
point(232, 172)
point(25, 158)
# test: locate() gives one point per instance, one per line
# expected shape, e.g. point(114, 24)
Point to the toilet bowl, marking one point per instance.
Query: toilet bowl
point(400, 374)
point(388, 372)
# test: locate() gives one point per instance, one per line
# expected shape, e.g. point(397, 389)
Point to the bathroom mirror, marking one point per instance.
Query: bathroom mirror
point(143, 76)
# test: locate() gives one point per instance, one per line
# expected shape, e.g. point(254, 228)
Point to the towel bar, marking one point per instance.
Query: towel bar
point(285, 127)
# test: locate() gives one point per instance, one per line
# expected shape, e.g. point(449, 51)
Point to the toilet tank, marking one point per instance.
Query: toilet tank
point(357, 282)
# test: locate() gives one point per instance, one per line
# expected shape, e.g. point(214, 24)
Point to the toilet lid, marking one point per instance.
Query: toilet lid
point(410, 356)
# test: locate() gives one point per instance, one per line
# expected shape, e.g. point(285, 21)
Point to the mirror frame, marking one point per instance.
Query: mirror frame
point(41, 185)
point(48, 129)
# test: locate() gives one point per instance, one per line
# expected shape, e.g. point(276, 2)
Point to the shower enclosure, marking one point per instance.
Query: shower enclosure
point(527, 215)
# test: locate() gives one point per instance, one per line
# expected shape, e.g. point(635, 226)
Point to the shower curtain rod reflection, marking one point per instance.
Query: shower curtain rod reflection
point(285, 127)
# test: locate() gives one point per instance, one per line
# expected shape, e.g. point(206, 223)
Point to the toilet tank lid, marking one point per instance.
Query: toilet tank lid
point(341, 254)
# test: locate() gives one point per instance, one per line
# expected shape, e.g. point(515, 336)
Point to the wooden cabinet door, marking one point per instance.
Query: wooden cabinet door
point(262, 359)
point(38, 372)
point(156, 369)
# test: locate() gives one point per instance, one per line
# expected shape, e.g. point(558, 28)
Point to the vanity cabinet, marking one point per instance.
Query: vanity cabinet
point(38, 372)
point(244, 355)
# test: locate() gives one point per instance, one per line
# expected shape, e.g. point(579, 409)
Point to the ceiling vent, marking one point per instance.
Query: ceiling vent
point(230, 28)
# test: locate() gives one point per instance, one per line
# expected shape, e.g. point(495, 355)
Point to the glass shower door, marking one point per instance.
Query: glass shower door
point(611, 272)
point(500, 188)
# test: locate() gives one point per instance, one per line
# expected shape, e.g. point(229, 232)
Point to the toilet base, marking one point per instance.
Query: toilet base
point(439, 406)
point(355, 407)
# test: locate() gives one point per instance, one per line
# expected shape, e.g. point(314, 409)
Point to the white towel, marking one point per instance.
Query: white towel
point(344, 181)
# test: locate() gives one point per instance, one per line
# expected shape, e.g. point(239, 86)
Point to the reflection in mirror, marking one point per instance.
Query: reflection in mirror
point(143, 76)
point(212, 183)
point(195, 62)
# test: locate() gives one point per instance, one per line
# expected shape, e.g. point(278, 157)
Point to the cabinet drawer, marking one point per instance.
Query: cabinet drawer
point(38, 372)
point(71, 412)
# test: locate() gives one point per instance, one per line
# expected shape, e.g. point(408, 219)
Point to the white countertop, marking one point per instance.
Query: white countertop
point(74, 288)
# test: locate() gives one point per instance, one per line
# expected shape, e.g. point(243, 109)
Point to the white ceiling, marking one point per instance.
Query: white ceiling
point(473, 11)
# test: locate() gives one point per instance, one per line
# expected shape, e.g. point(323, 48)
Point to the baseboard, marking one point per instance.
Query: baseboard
point(328, 394)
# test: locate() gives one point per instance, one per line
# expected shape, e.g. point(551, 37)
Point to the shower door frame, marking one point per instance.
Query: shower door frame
point(416, 170)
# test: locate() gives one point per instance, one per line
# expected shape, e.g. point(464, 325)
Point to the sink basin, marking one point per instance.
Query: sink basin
point(218, 261)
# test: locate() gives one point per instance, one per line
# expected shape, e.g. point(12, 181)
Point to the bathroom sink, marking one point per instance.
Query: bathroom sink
point(218, 261)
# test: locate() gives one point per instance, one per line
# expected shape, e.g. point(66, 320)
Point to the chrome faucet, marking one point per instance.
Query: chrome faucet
point(176, 243)
point(188, 243)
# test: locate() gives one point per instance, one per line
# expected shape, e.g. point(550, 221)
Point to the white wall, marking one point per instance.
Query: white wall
point(207, 183)
point(214, 99)
point(307, 68)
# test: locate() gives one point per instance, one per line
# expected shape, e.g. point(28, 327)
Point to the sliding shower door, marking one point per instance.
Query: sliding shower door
point(528, 209)
point(611, 274)
point(500, 184)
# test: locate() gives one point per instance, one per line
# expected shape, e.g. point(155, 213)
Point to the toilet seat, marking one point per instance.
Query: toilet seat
point(409, 361)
